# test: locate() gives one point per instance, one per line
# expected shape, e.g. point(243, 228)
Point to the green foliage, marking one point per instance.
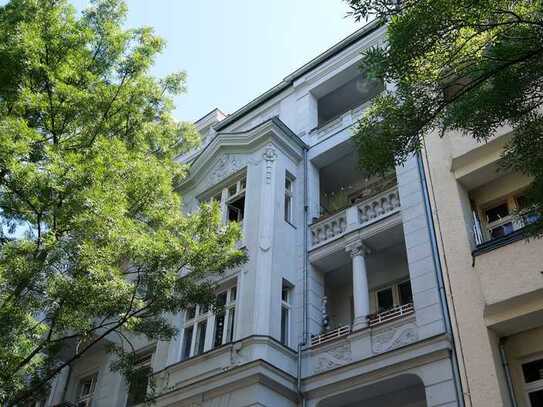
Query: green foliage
point(93, 240)
point(467, 65)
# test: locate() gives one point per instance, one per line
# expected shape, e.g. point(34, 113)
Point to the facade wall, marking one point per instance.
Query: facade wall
point(494, 293)
point(265, 145)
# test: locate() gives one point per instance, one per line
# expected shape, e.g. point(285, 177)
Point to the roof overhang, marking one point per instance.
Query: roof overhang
point(272, 131)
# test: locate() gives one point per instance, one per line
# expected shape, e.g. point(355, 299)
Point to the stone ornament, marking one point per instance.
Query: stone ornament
point(394, 337)
point(334, 357)
point(269, 156)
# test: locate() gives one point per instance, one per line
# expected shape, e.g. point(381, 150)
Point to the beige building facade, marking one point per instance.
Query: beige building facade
point(492, 274)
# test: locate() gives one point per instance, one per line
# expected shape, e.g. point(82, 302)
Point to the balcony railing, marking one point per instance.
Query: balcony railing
point(341, 122)
point(373, 320)
point(390, 315)
point(356, 216)
point(331, 335)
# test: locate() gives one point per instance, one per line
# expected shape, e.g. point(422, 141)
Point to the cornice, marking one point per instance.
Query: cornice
point(272, 131)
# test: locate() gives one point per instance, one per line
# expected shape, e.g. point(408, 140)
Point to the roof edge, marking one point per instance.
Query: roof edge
point(289, 79)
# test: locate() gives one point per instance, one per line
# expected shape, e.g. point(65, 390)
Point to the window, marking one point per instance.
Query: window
point(137, 390)
point(225, 317)
point(499, 220)
point(393, 296)
point(288, 198)
point(532, 372)
point(285, 313)
point(203, 325)
point(232, 200)
point(85, 390)
point(405, 296)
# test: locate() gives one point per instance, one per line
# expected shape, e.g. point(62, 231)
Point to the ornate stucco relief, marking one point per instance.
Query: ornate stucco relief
point(334, 357)
point(394, 337)
point(269, 156)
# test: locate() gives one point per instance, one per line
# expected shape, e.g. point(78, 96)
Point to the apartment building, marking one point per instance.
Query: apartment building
point(493, 274)
point(341, 302)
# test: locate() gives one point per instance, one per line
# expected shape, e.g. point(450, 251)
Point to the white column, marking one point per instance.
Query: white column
point(361, 295)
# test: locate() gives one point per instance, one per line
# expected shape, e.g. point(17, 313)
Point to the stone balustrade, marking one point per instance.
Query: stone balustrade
point(356, 216)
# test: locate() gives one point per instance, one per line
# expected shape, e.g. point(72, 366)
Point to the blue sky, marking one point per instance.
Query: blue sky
point(234, 50)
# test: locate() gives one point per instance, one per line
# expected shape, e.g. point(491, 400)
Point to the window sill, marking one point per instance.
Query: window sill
point(498, 242)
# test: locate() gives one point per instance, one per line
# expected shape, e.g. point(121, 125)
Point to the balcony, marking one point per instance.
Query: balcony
point(374, 320)
point(355, 217)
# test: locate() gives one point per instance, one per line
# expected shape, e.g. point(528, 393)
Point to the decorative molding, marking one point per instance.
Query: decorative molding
point(357, 248)
point(269, 156)
point(227, 165)
point(394, 337)
point(334, 357)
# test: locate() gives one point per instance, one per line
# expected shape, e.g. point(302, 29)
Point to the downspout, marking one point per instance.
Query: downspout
point(439, 277)
point(508, 379)
point(304, 282)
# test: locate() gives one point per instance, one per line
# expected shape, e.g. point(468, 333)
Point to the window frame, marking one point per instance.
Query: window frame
point(288, 212)
point(395, 287)
point(286, 305)
point(209, 318)
point(86, 398)
point(532, 386)
point(144, 361)
point(512, 202)
point(240, 185)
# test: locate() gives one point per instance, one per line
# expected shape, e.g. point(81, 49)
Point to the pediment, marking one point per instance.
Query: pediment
point(228, 153)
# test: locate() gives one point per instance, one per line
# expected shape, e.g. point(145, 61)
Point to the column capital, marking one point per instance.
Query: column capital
point(357, 248)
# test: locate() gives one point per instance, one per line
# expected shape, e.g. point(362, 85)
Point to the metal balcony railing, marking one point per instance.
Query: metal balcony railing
point(391, 314)
point(331, 335)
point(373, 320)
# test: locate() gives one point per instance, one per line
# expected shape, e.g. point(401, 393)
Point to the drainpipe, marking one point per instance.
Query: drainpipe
point(304, 282)
point(508, 379)
point(439, 276)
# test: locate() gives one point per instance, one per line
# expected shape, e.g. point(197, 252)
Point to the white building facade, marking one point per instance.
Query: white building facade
point(341, 302)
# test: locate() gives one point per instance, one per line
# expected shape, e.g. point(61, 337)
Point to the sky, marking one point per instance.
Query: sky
point(235, 50)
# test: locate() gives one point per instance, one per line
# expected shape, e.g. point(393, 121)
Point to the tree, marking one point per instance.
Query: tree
point(93, 242)
point(467, 65)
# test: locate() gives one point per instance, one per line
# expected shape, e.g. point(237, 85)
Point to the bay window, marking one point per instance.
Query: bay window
point(206, 328)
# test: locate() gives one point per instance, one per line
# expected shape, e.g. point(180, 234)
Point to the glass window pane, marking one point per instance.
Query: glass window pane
point(385, 299)
point(200, 338)
point(284, 294)
point(288, 184)
point(533, 371)
point(233, 294)
point(221, 299)
point(497, 212)
point(219, 329)
point(232, 190)
point(187, 340)
point(243, 184)
point(287, 208)
point(404, 291)
point(284, 325)
point(231, 321)
point(536, 398)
